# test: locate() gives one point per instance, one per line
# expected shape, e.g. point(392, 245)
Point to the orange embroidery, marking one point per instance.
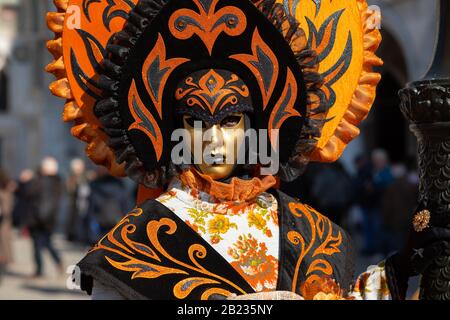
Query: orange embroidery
point(321, 230)
point(323, 288)
point(284, 108)
point(183, 288)
point(263, 63)
point(156, 70)
point(212, 92)
point(126, 248)
point(208, 24)
point(144, 121)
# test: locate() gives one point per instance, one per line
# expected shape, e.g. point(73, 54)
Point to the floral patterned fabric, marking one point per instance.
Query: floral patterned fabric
point(372, 284)
point(245, 233)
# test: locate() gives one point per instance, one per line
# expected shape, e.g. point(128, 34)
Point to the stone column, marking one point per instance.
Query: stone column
point(426, 104)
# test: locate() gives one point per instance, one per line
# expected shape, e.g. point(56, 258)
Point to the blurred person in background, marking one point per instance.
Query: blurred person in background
point(381, 179)
point(371, 182)
point(413, 174)
point(107, 202)
point(398, 203)
point(7, 187)
point(337, 200)
point(382, 174)
point(44, 193)
point(78, 191)
point(21, 209)
point(363, 201)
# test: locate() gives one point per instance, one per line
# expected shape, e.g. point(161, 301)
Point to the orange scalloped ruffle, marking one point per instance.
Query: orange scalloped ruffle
point(97, 150)
point(236, 190)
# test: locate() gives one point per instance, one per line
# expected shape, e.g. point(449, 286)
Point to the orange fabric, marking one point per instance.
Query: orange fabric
point(355, 85)
point(236, 190)
point(147, 194)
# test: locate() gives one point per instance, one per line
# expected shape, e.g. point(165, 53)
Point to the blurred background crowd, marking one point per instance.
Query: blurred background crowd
point(79, 207)
point(53, 201)
point(374, 204)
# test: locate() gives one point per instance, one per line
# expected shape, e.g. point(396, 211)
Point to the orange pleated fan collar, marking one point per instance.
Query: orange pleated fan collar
point(236, 190)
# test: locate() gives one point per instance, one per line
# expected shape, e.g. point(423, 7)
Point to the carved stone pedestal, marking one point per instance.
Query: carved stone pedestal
point(427, 105)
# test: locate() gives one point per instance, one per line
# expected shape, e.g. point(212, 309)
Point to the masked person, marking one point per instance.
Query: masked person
point(148, 73)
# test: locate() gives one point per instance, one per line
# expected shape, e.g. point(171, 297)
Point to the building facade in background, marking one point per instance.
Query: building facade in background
point(8, 29)
point(30, 121)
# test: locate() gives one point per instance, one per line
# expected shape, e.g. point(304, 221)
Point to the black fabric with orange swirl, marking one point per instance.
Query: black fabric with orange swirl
point(152, 254)
point(312, 247)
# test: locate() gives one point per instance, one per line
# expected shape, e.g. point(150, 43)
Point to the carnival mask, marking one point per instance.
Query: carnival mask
point(217, 153)
point(211, 103)
point(121, 67)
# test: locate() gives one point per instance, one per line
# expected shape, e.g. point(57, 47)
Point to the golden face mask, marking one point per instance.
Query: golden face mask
point(215, 148)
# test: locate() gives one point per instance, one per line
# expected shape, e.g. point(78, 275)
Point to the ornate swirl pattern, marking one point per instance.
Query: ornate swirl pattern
point(285, 107)
point(156, 70)
point(343, 37)
point(263, 63)
point(152, 259)
point(208, 24)
point(321, 241)
point(144, 120)
point(211, 92)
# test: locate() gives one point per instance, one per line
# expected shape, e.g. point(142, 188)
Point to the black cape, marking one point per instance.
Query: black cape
point(153, 254)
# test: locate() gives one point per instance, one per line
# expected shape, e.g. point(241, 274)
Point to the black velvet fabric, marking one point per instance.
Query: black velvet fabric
point(95, 264)
point(337, 254)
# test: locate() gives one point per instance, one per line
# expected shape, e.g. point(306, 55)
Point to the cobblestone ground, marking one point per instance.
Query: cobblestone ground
point(16, 283)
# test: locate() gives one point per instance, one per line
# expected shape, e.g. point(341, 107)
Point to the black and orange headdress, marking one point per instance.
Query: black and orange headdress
point(211, 95)
point(122, 65)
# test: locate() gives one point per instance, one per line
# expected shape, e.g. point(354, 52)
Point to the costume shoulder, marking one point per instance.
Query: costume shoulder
point(314, 247)
point(152, 254)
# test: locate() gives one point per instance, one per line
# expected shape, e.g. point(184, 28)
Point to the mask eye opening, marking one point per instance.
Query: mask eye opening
point(193, 122)
point(231, 121)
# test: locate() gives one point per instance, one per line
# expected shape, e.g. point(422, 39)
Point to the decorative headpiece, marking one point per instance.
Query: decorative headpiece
point(211, 95)
point(126, 67)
